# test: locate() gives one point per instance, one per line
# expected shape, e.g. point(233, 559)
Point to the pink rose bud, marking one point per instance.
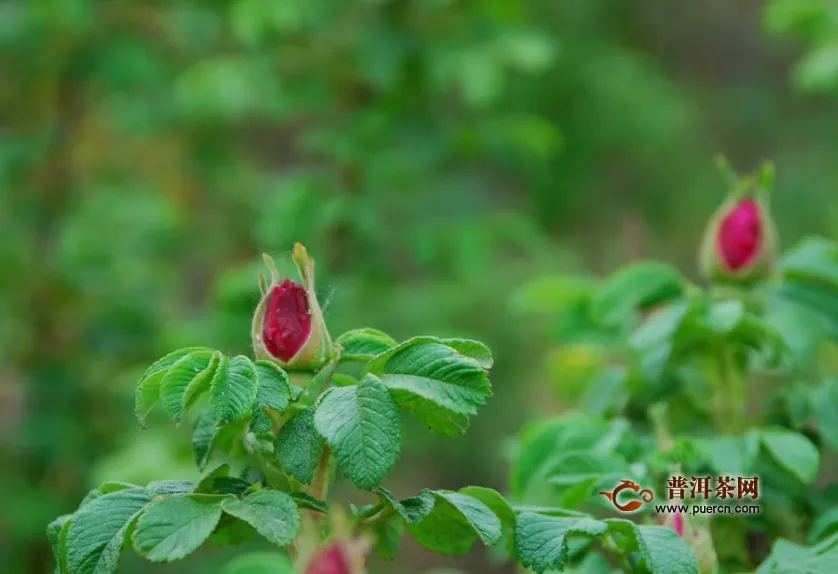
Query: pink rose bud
point(330, 560)
point(288, 327)
point(674, 521)
point(740, 242)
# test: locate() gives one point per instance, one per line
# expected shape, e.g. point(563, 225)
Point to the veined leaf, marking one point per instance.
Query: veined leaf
point(661, 549)
point(435, 382)
point(272, 513)
point(148, 389)
point(541, 541)
point(97, 531)
point(233, 390)
point(203, 436)
point(455, 523)
point(413, 509)
point(298, 446)
point(364, 344)
point(792, 451)
point(57, 536)
point(363, 426)
point(172, 528)
point(274, 393)
point(184, 381)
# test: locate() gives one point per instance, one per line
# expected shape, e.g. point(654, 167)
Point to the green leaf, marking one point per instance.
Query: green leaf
point(790, 558)
point(824, 525)
point(435, 382)
point(201, 383)
point(259, 563)
point(364, 344)
point(455, 523)
point(185, 380)
point(724, 316)
point(541, 541)
point(274, 393)
point(473, 349)
point(826, 411)
point(203, 437)
point(174, 527)
point(794, 452)
point(170, 487)
point(388, 537)
point(495, 502)
point(363, 426)
point(304, 500)
point(233, 390)
point(298, 446)
point(814, 259)
point(272, 513)
point(57, 536)
point(661, 550)
point(97, 531)
point(148, 389)
point(413, 509)
point(634, 287)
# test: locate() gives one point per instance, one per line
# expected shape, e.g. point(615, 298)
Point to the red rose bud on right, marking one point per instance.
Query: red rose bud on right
point(288, 326)
point(740, 243)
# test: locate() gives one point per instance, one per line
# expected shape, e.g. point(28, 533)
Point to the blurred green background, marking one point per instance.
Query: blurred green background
point(434, 155)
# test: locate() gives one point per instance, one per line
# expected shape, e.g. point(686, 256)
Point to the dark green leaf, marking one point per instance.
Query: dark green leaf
point(272, 513)
point(541, 541)
point(413, 509)
point(661, 550)
point(362, 424)
point(455, 523)
point(304, 500)
point(794, 452)
point(298, 446)
point(172, 528)
point(233, 390)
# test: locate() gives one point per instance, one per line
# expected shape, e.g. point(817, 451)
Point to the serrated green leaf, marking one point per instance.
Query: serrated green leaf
point(189, 373)
point(388, 537)
point(170, 487)
point(298, 446)
point(272, 513)
point(148, 389)
point(363, 426)
point(274, 393)
point(473, 349)
point(495, 502)
point(794, 452)
point(304, 500)
point(203, 437)
point(201, 383)
point(172, 528)
point(541, 541)
point(455, 523)
point(97, 531)
point(634, 287)
point(436, 383)
point(661, 550)
point(57, 536)
point(413, 509)
point(363, 344)
point(259, 563)
point(233, 390)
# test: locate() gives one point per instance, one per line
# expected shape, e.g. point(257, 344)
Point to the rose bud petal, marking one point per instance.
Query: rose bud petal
point(740, 242)
point(674, 521)
point(331, 560)
point(288, 326)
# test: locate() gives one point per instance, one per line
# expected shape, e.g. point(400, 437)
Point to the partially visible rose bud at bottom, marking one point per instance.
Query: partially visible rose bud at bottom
point(674, 521)
point(336, 558)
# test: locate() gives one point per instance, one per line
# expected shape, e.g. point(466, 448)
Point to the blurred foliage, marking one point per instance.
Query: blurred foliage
point(436, 152)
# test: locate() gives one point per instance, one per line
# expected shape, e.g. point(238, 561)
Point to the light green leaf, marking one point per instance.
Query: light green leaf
point(794, 452)
point(148, 389)
point(636, 286)
point(440, 386)
point(825, 524)
point(57, 536)
point(172, 528)
point(388, 537)
point(661, 549)
point(724, 316)
point(413, 509)
point(272, 513)
point(259, 563)
point(789, 558)
point(541, 541)
point(363, 426)
point(455, 523)
point(97, 531)
point(495, 502)
point(304, 500)
point(233, 390)
point(474, 349)
point(203, 437)
point(185, 380)
point(170, 487)
point(274, 393)
point(364, 344)
point(298, 446)
point(201, 383)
